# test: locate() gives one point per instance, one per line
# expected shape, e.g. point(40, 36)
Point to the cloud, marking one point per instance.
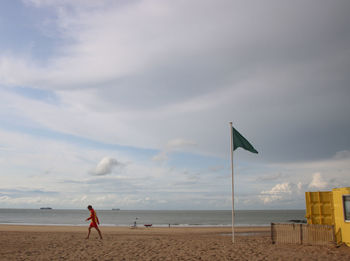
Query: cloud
point(280, 192)
point(142, 69)
point(161, 156)
point(106, 166)
point(318, 182)
point(179, 143)
point(287, 192)
point(153, 70)
point(69, 164)
point(271, 177)
point(171, 146)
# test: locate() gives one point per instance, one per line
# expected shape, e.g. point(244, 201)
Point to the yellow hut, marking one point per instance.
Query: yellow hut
point(330, 208)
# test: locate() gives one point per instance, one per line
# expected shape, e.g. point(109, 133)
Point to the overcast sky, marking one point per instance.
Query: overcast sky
point(127, 104)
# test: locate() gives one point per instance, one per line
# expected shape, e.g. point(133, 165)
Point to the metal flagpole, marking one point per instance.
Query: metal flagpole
point(233, 212)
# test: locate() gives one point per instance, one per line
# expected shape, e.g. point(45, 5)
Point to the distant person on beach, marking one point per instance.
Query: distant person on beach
point(94, 221)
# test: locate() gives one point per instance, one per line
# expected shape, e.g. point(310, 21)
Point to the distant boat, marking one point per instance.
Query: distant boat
point(46, 208)
point(116, 209)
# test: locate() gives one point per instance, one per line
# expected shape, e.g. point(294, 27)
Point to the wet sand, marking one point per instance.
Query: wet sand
point(122, 243)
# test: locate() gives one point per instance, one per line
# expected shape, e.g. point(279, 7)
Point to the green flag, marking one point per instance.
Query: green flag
point(240, 141)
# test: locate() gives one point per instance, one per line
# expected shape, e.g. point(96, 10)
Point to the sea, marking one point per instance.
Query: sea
point(158, 218)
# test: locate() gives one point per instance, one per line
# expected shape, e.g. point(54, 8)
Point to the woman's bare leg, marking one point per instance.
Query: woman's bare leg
point(88, 233)
point(99, 232)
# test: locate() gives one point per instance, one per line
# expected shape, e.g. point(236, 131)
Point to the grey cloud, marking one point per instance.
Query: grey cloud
point(278, 69)
point(274, 38)
point(286, 71)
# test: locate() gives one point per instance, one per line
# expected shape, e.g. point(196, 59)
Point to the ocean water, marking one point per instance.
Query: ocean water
point(157, 218)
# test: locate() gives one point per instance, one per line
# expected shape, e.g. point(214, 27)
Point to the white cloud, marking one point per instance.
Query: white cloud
point(39, 163)
point(317, 182)
point(61, 171)
point(106, 166)
point(280, 192)
point(300, 177)
point(325, 173)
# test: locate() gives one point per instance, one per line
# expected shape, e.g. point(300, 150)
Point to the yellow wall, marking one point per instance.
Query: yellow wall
point(342, 228)
point(319, 208)
point(326, 208)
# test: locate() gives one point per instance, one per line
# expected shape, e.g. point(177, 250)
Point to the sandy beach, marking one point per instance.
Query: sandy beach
point(122, 243)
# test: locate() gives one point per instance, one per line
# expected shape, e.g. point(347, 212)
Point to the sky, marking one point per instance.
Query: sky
point(126, 104)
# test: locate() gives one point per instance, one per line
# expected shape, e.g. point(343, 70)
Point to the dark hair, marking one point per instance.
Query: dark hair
point(89, 207)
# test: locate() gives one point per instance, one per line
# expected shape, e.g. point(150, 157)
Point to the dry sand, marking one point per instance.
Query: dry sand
point(69, 243)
